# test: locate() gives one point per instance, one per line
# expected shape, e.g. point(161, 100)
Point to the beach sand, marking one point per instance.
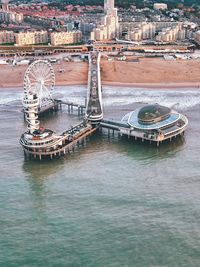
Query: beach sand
point(147, 73)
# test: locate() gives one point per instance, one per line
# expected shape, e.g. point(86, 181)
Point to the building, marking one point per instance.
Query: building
point(154, 123)
point(11, 17)
point(142, 32)
point(30, 38)
point(7, 37)
point(62, 38)
point(41, 37)
point(109, 28)
point(47, 23)
point(197, 37)
point(172, 34)
point(25, 38)
point(87, 28)
point(160, 6)
point(5, 6)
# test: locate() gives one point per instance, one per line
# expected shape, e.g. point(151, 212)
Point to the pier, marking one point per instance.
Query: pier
point(39, 142)
point(153, 123)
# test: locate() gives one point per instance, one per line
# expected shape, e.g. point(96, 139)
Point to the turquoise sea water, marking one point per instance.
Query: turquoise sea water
point(114, 202)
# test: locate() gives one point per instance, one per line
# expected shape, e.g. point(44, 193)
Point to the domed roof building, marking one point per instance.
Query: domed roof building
point(153, 113)
point(155, 123)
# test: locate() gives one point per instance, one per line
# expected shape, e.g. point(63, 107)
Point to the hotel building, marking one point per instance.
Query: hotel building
point(108, 30)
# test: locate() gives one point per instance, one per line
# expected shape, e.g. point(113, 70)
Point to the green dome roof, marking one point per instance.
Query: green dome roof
point(153, 113)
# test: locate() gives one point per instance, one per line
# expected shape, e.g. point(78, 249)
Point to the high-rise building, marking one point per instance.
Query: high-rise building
point(108, 29)
point(109, 5)
point(5, 5)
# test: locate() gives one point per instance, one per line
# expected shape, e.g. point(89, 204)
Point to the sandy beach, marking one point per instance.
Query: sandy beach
point(146, 73)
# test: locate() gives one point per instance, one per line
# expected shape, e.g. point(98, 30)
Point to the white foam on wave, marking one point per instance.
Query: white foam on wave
point(182, 99)
point(118, 96)
point(73, 93)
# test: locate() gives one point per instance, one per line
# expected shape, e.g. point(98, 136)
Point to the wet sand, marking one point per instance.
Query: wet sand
point(146, 73)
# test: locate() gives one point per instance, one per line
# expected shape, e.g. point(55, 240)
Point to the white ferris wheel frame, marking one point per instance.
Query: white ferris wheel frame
point(40, 79)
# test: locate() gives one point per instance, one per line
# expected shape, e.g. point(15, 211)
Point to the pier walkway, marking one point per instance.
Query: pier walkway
point(94, 109)
point(113, 125)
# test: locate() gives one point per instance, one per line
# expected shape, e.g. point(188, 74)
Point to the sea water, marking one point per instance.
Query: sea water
point(114, 202)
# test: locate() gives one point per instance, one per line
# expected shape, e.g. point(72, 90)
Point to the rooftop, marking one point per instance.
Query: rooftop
point(153, 113)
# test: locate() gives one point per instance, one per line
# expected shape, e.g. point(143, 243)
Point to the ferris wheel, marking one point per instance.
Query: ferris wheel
point(39, 79)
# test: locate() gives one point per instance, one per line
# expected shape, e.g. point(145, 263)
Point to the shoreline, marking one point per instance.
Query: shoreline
point(147, 74)
point(155, 85)
point(159, 86)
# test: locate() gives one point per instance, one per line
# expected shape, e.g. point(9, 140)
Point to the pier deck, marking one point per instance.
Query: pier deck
point(67, 143)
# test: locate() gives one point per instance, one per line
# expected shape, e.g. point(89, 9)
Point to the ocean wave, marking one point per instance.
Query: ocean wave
point(117, 96)
point(171, 98)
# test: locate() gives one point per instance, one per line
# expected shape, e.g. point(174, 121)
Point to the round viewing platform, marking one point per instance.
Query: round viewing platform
point(155, 123)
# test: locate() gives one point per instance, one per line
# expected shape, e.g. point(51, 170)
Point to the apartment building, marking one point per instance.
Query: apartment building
point(62, 38)
point(142, 32)
point(172, 34)
point(11, 17)
point(29, 38)
point(7, 37)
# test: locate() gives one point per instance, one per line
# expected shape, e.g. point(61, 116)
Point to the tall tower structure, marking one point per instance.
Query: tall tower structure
point(109, 28)
point(5, 5)
point(111, 19)
point(108, 4)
